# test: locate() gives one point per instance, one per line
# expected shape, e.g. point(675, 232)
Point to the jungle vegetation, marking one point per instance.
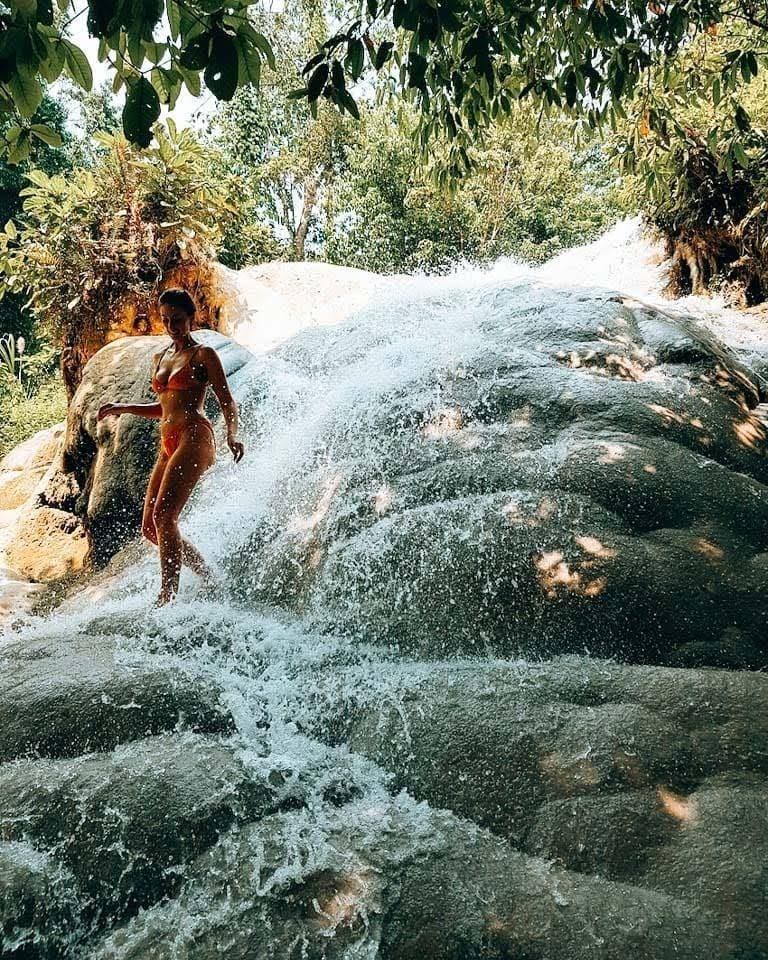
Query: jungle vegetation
point(396, 136)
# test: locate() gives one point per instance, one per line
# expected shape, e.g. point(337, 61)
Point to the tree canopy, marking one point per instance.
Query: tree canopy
point(464, 62)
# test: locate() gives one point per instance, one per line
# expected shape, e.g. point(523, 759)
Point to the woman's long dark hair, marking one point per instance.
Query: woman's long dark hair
point(176, 297)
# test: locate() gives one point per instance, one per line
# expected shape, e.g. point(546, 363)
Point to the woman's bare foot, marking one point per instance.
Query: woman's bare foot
point(163, 598)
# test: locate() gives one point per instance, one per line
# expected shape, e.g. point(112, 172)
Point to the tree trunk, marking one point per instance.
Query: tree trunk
point(311, 187)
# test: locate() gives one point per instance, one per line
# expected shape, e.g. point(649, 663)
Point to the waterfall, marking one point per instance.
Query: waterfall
point(439, 508)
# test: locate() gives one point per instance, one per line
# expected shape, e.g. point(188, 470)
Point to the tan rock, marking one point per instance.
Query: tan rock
point(48, 545)
point(23, 468)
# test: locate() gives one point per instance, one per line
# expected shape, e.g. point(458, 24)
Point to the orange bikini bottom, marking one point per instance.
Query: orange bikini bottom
point(170, 438)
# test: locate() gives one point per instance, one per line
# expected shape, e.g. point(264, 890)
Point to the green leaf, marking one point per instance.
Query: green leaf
point(337, 75)
point(312, 63)
point(741, 118)
point(27, 9)
point(349, 103)
point(46, 134)
point(155, 52)
point(222, 70)
point(197, 52)
point(317, 82)
point(141, 110)
point(174, 17)
point(19, 152)
point(101, 17)
point(383, 54)
point(45, 12)
point(39, 179)
point(266, 48)
point(261, 43)
point(355, 57)
point(78, 66)
point(26, 92)
point(136, 50)
point(248, 65)
point(740, 155)
point(191, 81)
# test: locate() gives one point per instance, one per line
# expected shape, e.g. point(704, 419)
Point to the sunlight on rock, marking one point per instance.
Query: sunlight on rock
point(556, 577)
point(382, 500)
point(443, 423)
point(594, 547)
point(750, 433)
point(520, 417)
point(613, 453)
point(683, 809)
point(668, 416)
point(569, 775)
point(304, 524)
point(633, 366)
point(708, 549)
point(351, 898)
point(625, 367)
point(516, 515)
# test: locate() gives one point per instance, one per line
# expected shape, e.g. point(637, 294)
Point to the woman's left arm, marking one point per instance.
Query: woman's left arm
point(218, 380)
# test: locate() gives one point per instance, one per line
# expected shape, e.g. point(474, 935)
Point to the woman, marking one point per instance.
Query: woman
point(182, 373)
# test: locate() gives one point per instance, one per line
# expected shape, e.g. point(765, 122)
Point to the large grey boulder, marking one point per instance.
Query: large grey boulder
point(125, 823)
point(648, 775)
point(396, 881)
point(38, 905)
point(100, 478)
point(593, 477)
point(570, 473)
point(63, 698)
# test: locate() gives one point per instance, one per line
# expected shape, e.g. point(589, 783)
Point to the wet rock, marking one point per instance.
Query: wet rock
point(62, 698)
point(645, 775)
point(38, 905)
point(593, 467)
point(426, 885)
point(126, 823)
point(495, 741)
point(101, 475)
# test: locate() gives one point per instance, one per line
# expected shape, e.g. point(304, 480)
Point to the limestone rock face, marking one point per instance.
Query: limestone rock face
point(38, 903)
point(24, 467)
point(486, 679)
point(594, 477)
point(63, 698)
point(48, 544)
point(428, 885)
point(125, 823)
point(631, 773)
point(91, 502)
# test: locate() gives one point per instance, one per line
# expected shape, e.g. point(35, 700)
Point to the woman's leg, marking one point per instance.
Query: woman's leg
point(189, 555)
point(186, 465)
point(153, 488)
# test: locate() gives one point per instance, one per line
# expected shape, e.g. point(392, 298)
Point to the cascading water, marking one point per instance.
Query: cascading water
point(463, 478)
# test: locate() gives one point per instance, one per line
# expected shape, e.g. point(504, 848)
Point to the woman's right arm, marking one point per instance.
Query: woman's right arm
point(150, 411)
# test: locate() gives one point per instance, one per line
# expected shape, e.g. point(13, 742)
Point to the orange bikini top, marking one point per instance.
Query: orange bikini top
point(181, 380)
